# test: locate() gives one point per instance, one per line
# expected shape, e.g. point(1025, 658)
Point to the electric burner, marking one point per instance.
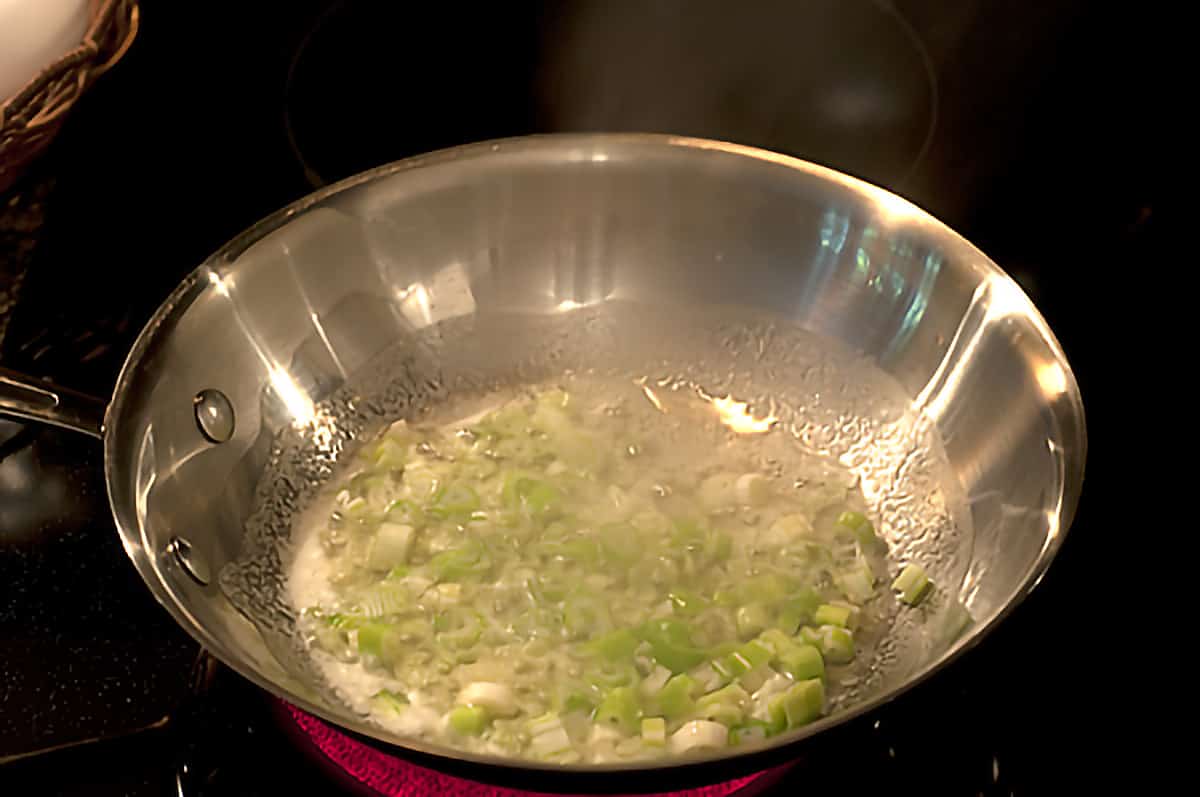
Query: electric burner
point(387, 776)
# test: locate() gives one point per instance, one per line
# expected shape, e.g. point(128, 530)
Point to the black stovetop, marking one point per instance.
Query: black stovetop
point(995, 119)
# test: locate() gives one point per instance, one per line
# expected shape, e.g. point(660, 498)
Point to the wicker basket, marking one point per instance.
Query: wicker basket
point(30, 119)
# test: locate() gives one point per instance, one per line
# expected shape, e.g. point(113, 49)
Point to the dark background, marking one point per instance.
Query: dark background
point(1034, 129)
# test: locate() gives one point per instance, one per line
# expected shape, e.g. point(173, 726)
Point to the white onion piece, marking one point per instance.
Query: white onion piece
point(496, 698)
point(699, 734)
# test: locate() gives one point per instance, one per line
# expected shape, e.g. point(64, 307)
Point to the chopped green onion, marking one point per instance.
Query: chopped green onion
point(835, 614)
point(726, 705)
point(370, 637)
point(856, 523)
point(802, 661)
point(455, 501)
point(458, 628)
point(460, 563)
point(751, 489)
point(620, 542)
point(799, 705)
point(857, 584)
point(390, 546)
point(797, 610)
point(619, 708)
point(670, 645)
point(775, 640)
point(615, 645)
point(585, 614)
point(389, 701)
point(606, 674)
point(912, 584)
point(717, 492)
point(468, 720)
point(654, 731)
point(686, 602)
point(837, 644)
point(653, 683)
point(751, 619)
point(675, 699)
point(751, 731)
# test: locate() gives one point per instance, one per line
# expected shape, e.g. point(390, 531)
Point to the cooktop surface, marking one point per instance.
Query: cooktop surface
point(991, 117)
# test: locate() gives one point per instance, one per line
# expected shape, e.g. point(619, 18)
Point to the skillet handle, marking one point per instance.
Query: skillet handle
point(31, 399)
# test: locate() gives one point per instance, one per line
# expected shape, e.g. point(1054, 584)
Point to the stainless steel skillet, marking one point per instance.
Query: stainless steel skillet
point(395, 289)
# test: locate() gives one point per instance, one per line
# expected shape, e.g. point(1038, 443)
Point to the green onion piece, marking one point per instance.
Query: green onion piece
point(768, 588)
point(751, 489)
point(731, 695)
point(580, 550)
point(834, 614)
point(455, 501)
point(951, 623)
point(585, 614)
point(619, 708)
point(724, 713)
point(389, 702)
point(615, 645)
point(743, 660)
point(675, 699)
point(460, 563)
point(389, 548)
point(799, 705)
point(717, 492)
point(370, 637)
point(811, 636)
point(356, 508)
point(670, 645)
point(653, 683)
point(775, 640)
point(730, 667)
point(802, 662)
point(756, 653)
point(797, 610)
point(750, 731)
point(403, 511)
point(578, 701)
point(722, 649)
point(458, 628)
point(837, 644)
point(718, 546)
point(913, 584)
point(654, 731)
point(346, 622)
point(607, 674)
point(758, 676)
point(553, 745)
point(538, 498)
point(858, 525)
point(621, 543)
point(857, 584)
point(468, 720)
point(751, 619)
point(686, 602)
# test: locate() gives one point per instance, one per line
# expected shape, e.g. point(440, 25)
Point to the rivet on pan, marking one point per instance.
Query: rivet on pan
point(185, 556)
point(214, 415)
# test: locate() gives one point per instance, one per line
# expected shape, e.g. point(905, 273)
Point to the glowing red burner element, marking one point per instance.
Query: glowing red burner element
point(395, 777)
